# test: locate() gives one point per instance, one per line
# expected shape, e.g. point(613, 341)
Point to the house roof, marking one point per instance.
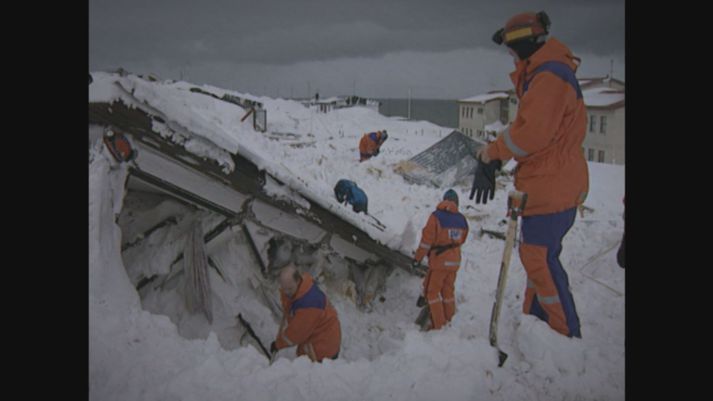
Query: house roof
point(137, 119)
point(589, 82)
point(603, 97)
point(444, 163)
point(486, 97)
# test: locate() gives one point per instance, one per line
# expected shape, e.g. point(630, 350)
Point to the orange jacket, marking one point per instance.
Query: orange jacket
point(312, 322)
point(369, 144)
point(446, 226)
point(547, 134)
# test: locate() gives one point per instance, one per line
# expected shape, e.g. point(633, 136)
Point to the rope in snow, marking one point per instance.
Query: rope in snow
point(602, 284)
point(594, 258)
point(597, 256)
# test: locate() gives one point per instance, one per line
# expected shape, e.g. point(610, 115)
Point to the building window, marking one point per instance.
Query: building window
point(592, 123)
point(603, 125)
point(591, 155)
point(601, 156)
point(480, 110)
point(513, 100)
point(471, 112)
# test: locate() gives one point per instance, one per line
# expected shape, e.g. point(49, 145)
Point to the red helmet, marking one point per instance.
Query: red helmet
point(522, 26)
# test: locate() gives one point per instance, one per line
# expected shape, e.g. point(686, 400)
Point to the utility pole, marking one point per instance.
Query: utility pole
point(184, 67)
point(409, 103)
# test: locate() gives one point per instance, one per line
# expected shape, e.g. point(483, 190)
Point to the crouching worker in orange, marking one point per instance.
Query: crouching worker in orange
point(445, 231)
point(310, 322)
point(370, 144)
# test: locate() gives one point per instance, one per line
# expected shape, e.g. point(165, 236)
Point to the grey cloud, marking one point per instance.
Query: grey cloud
point(290, 31)
point(282, 36)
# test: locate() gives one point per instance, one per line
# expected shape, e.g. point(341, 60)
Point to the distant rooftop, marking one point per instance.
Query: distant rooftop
point(486, 98)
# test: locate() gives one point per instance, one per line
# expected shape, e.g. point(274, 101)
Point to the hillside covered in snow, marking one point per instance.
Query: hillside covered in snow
point(143, 345)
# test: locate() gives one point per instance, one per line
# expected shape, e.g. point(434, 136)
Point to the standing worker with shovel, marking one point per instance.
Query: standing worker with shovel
point(546, 140)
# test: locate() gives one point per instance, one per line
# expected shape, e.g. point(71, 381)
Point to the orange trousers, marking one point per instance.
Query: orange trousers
point(439, 286)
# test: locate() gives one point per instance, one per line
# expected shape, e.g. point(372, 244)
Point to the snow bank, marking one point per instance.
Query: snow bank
point(137, 355)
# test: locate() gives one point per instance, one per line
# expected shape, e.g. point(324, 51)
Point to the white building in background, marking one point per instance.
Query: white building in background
point(475, 113)
point(606, 116)
point(484, 116)
point(340, 102)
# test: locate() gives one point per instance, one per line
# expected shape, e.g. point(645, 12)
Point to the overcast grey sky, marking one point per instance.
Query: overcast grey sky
point(435, 48)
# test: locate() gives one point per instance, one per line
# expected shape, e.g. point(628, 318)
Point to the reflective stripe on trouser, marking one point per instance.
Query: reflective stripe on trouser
point(440, 292)
point(547, 295)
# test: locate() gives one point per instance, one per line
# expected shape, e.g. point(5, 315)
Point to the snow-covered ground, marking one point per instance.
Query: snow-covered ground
point(137, 355)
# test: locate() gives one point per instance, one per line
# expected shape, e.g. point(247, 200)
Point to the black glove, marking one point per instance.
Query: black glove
point(415, 264)
point(421, 301)
point(273, 348)
point(484, 181)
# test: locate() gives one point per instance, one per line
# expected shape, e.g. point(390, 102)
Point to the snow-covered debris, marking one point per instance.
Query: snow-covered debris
point(137, 352)
point(444, 164)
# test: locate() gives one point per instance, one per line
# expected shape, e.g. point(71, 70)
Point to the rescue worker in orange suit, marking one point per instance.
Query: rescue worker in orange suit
point(370, 144)
point(441, 238)
point(310, 321)
point(546, 141)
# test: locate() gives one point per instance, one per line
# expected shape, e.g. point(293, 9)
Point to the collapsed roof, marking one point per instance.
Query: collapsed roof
point(449, 161)
point(231, 185)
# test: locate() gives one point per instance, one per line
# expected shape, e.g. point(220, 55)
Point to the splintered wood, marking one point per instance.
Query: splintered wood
point(197, 285)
